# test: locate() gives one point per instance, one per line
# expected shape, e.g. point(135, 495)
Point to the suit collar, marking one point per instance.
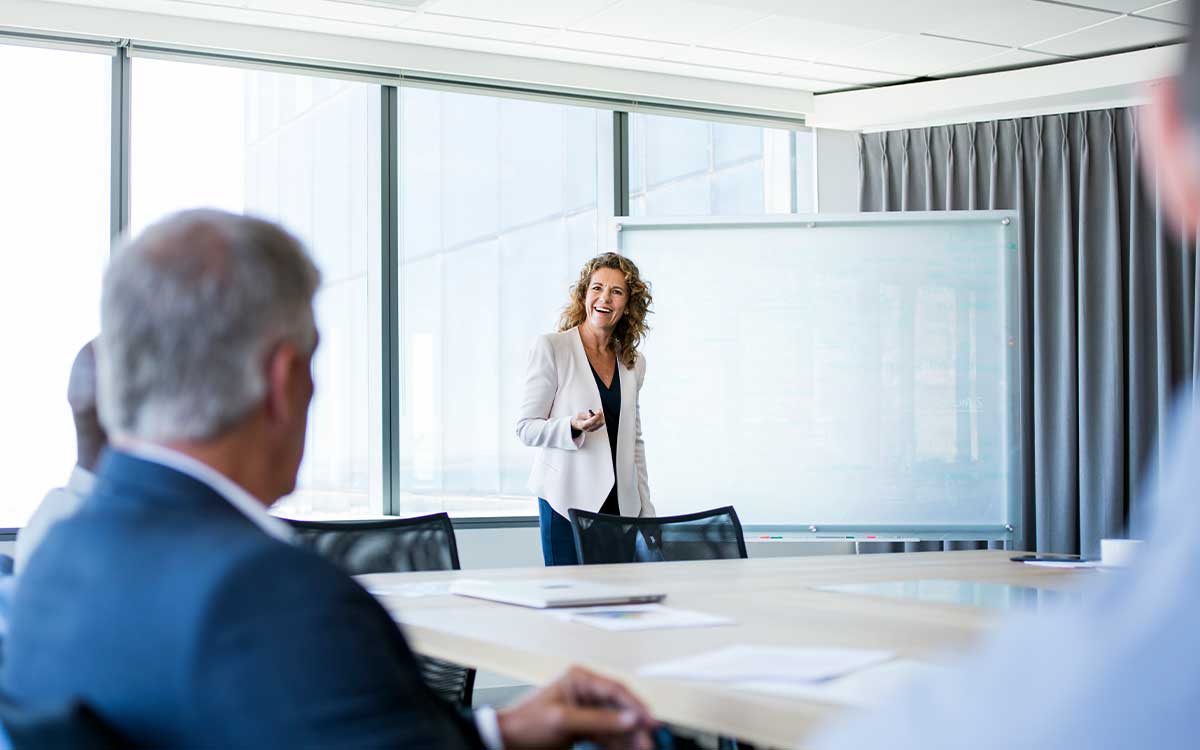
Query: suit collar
point(160, 472)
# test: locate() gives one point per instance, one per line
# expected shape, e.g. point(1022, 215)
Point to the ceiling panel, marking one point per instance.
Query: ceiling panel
point(616, 45)
point(684, 21)
point(1117, 6)
point(1006, 59)
point(911, 54)
point(788, 36)
point(1123, 33)
point(556, 13)
point(1176, 11)
point(1015, 23)
point(721, 58)
point(474, 27)
point(349, 12)
point(843, 75)
point(896, 16)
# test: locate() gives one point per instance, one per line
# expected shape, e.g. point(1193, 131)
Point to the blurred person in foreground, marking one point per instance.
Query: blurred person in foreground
point(90, 441)
point(204, 627)
point(1122, 670)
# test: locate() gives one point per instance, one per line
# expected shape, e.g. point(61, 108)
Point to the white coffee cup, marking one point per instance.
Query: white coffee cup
point(1118, 553)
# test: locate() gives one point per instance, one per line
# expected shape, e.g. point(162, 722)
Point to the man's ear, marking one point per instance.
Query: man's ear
point(285, 367)
point(1173, 159)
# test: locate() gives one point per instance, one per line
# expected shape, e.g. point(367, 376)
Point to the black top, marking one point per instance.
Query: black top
point(610, 399)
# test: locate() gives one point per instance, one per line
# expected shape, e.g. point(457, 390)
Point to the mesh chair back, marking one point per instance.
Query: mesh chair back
point(708, 535)
point(72, 726)
point(400, 545)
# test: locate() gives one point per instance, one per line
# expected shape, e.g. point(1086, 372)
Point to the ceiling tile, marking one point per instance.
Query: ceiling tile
point(555, 13)
point(684, 21)
point(721, 58)
point(906, 16)
point(338, 11)
point(1175, 11)
point(1116, 6)
point(842, 75)
point(226, 3)
point(616, 45)
point(1123, 33)
point(1005, 59)
point(1015, 23)
point(474, 27)
point(910, 54)
point(788, 36)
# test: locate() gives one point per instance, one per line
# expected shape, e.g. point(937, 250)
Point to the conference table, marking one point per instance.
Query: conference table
point(774, 602)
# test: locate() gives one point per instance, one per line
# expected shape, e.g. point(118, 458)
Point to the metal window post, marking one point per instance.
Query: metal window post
point(621, 163)
point(119, 144)
point(389, 299)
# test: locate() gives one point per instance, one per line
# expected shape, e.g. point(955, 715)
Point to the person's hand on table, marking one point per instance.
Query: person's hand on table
point(588, 421)
point(580, 705)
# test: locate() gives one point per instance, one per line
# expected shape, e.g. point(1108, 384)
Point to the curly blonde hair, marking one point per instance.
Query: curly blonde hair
point(632, 326)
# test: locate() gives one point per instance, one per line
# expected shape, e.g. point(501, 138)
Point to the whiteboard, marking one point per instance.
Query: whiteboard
point(834, 373)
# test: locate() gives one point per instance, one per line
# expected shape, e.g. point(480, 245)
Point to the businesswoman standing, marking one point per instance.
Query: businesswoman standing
point(580, 406)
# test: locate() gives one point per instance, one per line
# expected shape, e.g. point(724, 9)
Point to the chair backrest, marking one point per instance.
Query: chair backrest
point(708, 535)
point(396, 545)
point(399, 545)
point(72, 726)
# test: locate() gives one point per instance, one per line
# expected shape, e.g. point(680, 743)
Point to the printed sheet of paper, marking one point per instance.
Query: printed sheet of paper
point(412, 590)
point(641, 617)
point(744, 663)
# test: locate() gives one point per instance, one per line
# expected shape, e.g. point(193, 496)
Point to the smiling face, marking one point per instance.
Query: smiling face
point(607, 295)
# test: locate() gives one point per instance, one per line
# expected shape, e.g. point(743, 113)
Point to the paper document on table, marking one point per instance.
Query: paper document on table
point(767, 664)
point(1063, 563)
point(866, 688)
point(411, 590)
point(642, 617)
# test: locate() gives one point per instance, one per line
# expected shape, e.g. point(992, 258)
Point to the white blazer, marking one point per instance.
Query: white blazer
point(578, 472)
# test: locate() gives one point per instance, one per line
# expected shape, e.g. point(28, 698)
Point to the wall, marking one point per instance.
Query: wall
point(837, 171)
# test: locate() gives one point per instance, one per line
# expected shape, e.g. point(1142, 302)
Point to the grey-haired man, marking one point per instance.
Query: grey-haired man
point(171, 602)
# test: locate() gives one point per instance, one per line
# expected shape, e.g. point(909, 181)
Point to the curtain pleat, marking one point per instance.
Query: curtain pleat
point(1107, 301)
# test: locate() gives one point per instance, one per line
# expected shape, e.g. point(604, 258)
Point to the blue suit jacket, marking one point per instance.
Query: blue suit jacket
point(185, 626)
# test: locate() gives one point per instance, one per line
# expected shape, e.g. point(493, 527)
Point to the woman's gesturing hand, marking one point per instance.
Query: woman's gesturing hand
point(588, 421)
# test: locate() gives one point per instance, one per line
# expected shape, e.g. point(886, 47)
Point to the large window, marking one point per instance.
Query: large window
point(304, 151)
point(684, 167)
point(501, 202)
point(54, 227)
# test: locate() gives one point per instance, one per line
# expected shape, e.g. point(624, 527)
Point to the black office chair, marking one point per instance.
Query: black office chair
point(707, 535)
point(73, 726)
point(399, 545)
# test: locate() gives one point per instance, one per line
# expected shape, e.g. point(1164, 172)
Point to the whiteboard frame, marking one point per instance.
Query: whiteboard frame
point(1011, 530)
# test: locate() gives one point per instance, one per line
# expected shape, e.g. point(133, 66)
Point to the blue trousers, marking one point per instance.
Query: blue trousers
point(558, 543)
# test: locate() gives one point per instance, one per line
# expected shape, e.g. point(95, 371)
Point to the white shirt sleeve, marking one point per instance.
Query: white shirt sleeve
point(489, 727)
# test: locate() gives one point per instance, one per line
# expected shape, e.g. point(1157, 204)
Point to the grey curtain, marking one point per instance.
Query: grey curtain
point(1107, 297)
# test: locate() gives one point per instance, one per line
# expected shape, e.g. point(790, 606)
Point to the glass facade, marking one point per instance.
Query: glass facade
point(303, 151)
point(499, 202)
point(54, 165)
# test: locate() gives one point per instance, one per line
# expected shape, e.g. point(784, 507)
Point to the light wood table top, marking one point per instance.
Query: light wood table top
point(772, 600)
